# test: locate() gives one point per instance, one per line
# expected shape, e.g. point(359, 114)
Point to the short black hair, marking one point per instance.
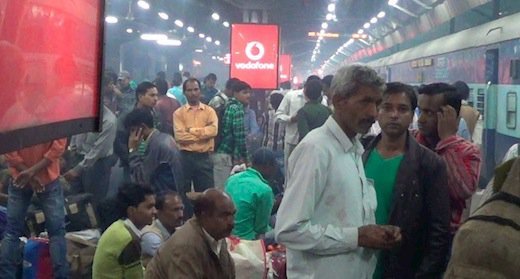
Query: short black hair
point(211, 76)
point(312, 77)
point(239, 86)
point(139, 116)
point(131, 195)
point(451, 97)
point(231, 82)
point(275, 99)
point(462, 89)
point(162, 86)
point(177, 79)
point(264, 157)
point(398, 87)
point(327, 80)
point(142, 88)
point(312, 89)
point(160, 198)
point(191, 79)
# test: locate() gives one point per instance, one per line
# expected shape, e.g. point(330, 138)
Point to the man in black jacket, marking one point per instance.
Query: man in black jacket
point(411, 188)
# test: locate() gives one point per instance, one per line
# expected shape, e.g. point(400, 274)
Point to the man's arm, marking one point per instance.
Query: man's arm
point(303, 125)
point(264, 206)
point(150, 243)
point(181, 132)
point(463, 166)
point(282, 113)
point(438, 218)
point(210, 130)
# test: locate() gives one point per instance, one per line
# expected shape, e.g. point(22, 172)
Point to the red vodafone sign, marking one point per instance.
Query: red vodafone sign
point(285, 67)
point(254, 54)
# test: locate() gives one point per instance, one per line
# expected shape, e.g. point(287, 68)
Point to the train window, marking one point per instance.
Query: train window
point(471, 98)
point(511, 110)
point(481, 98)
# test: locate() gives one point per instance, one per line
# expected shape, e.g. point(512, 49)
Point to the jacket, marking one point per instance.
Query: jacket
point(188, 255)
point(421, 208)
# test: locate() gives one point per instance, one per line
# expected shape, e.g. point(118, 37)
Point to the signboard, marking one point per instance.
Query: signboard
point(285, 68)
point(51, 63)
point(323, 34)
point(254, 54)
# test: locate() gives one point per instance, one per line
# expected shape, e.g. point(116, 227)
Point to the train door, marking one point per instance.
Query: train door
point(490, 113)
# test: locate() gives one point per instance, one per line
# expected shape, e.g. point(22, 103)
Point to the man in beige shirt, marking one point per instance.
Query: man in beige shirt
point(195, 127)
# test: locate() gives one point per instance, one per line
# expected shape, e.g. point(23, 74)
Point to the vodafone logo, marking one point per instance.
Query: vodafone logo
point(255, 50)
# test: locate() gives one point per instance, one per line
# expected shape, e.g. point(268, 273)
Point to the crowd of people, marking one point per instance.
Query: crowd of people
point(356, 177)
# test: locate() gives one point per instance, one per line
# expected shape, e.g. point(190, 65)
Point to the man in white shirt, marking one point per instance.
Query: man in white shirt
point(292, 102)
point(326, 219)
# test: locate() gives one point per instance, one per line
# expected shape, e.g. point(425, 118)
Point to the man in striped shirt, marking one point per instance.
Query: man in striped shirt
point(439, 106)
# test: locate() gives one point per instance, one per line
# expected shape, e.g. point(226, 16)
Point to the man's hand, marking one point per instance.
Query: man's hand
point(294, 118)
point(379, 237)
point(24, 178)
point(37, 185)
point(447, 122)
point(135, 138)
point(71, 175)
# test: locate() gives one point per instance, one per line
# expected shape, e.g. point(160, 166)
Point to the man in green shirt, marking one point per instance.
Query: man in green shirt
point(313, 114)
point(118, 254)
point(252, 196)
point(411, 190)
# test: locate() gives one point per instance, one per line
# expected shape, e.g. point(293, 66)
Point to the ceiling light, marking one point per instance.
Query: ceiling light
point(163, 15)
point(215, 16)
point(190, 29)
point(225, 23)
point(143, 4)
point(360, 31)
point(373, 20)
point(179, 23)
point(324, 25)
point(198, 50)
point(111, 19)
point(366, 25)
point(392, 2)
point(217, 42)
point(329, 17)
point(322, 31)
point(129, 30)
point(213, 57)
point(381, 14)
point(153, 37)
point(169, 42)
point(331, 7)
point(208, 39)
point(201, 35)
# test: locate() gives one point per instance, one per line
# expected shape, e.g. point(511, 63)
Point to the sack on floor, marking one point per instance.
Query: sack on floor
point(81, 247)
point(249, 258)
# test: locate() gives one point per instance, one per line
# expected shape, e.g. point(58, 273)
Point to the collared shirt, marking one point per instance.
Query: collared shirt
point(202, 122)
point(150, 241)
point(291, 103)
point(31, 155)
point(234, 132)
point(326, 200)
point(214, 244)
point(462, 160)
point(311, 116)
point(96, 145)
point(254, 201)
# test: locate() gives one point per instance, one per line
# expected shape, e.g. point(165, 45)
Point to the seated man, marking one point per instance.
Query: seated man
point(198, 249)
point(253, 196)
point(118, 253)
point(154, 157)
point(170, 213)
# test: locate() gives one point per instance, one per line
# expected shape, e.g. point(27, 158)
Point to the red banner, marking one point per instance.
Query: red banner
point(254, 54)
point(285, 68)
point(50, 68)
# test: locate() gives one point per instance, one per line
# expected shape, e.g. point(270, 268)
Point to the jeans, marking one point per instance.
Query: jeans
point(53, 203)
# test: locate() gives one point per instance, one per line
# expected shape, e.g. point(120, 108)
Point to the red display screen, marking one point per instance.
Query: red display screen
point(254, 54)
point(285, 67)
point(50, 69)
